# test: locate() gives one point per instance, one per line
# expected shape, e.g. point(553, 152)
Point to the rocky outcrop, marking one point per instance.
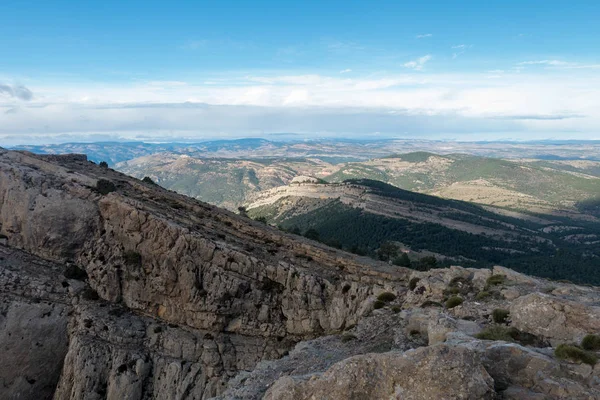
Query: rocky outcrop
point(253, 290)
point(34, 308)
point(436, 372)
point(559, 320)
point(113, 288)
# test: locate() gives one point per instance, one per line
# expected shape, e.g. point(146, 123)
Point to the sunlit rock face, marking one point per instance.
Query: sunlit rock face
point(113, 288)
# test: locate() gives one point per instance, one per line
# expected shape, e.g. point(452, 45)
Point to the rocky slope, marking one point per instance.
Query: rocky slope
point(113, 288)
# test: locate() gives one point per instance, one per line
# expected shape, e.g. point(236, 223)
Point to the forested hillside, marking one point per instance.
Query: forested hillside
point(454, 232)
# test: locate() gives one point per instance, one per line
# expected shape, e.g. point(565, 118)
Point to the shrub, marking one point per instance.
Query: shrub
point(453, 290)
point(413, 283)
point(574, 353)
point(426, 263)
point(431, 303)
point(499, 332)
point(454, 301)
point(103, 164)
point(346, 337)
point(482, 295)
point(500, 315)
point(378, 304)
point(74, 272)
point(149, 180)
point(396, 309)
point(261, 219)
point(495, 332)
point(105, 187)
point(496, 280)
point(132, 258)
point(591, 342)
point(386, 297)
point(402, 261)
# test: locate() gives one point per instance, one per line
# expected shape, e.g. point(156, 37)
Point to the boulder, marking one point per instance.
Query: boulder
point(555, 319)
point(435, 372)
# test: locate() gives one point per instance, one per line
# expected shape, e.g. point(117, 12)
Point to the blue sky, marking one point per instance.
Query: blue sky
point(470, 69)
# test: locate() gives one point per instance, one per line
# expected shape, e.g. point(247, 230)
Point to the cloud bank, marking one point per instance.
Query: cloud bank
point(407, 104)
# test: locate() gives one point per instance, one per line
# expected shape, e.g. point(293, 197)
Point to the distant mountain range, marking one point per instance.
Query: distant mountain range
point(340, 150)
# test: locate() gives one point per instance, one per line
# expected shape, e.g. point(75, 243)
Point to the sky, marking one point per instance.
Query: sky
point(148, 70)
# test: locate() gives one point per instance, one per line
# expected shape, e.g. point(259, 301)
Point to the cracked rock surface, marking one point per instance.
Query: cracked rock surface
point(124, 290)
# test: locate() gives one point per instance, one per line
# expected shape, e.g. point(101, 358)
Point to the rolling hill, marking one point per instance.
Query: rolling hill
point(549, 187)
point(364, 215)
point(224, 182)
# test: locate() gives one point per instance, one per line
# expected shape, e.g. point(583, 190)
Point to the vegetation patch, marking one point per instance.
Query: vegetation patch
point(495, 332)
point(591, 342)
point(347, 337)
point(495, 280)
point(378, 304)
point(431, 303)
point(386, 297)
point(501, 332)
point(105, 187)
point(412, 284)
point(149, 180)
point(575, 354)
point(454, 301)
point(500, 315)
point(482, 295)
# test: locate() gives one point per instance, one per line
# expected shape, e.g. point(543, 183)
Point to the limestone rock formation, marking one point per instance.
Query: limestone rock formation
point(112, 288)
point(435, 372)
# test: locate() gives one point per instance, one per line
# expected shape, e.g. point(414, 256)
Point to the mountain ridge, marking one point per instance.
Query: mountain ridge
point(116, 288)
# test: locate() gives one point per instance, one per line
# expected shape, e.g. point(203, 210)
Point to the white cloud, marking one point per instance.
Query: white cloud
point(460, 46)
point(345, 71)
point(558, 101)
point(424, 35)
point(560, 64)
point(419, 63)
point(545, 62)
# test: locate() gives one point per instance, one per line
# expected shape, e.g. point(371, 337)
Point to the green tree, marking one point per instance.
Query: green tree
point(387, 251)
point(427, 263)
point(402, 261)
